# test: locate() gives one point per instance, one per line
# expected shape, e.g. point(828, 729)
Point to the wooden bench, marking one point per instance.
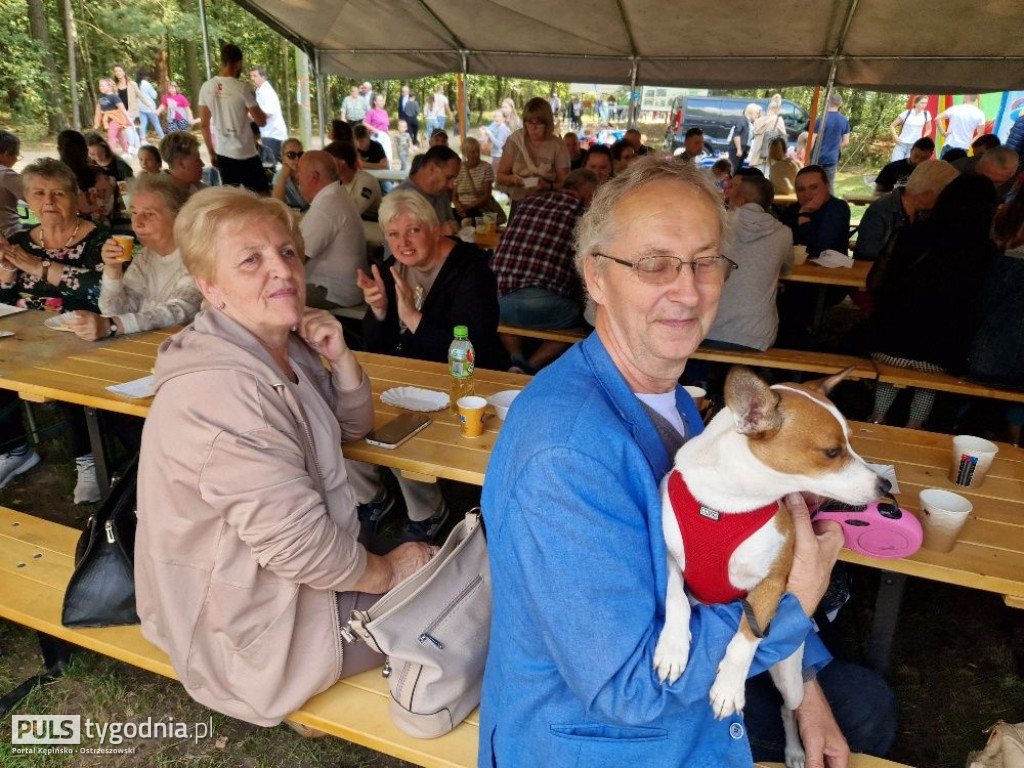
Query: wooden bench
point(36, 561)
point(943, 382)
point(784, 359)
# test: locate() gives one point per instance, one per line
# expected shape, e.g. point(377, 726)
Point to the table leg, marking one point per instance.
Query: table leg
point(883, 630)
point(99, 455)
point(56, 657)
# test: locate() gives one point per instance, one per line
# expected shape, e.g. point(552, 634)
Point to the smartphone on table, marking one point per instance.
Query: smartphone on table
point(395, 432)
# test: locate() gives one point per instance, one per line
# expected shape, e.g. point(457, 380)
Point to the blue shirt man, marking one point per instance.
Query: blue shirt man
point(573, 512)
point(834, 138)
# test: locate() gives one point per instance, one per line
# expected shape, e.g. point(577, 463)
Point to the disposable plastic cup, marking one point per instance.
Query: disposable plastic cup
point(471, 415)
point(127, 243)
point(971, 459)
point(943, 515)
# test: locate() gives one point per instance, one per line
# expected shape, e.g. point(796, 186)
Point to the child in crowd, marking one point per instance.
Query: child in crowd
point(404, 141)
point(721, 172)
point(149, 159)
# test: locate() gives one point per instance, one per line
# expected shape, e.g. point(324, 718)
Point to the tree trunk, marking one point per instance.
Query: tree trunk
point(56, 121)
point(160, 72)
point(195, 81)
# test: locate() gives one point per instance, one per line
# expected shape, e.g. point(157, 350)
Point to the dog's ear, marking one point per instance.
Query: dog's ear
point(754, 405)
point(825, 386)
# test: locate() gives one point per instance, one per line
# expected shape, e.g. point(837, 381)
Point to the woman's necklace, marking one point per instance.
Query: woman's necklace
point(42, 242)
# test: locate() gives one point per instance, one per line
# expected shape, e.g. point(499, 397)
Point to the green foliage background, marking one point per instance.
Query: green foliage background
point(35, 95)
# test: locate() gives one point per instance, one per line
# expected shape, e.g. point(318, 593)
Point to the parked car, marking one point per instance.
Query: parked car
point(716, 116)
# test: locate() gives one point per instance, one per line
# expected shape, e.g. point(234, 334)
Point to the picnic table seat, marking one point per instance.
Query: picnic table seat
point(943, 382)
point(784, 359)
point(36, 562)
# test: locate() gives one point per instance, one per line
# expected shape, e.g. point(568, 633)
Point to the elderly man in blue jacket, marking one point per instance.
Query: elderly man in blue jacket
point(573, 513)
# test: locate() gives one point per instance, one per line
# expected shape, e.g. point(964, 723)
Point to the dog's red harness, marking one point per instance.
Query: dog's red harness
point(709, 539)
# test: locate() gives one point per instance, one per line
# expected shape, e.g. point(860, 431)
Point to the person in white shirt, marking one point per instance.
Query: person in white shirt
point(275, 131)
point(911, 124)
point(363, 189)
point(153, 290)
point(333, 235)
point(964, 123)
point(10, 184)
point(226, 106)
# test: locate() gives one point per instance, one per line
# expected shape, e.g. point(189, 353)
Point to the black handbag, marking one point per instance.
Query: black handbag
point(101, 592)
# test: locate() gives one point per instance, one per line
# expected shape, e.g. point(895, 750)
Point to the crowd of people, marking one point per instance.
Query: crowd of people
point(256, 545)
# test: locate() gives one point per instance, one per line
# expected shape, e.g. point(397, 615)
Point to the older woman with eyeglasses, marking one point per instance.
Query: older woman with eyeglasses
point(247, 558)
point(285, 188)
point(534, 159)
point(154, 290)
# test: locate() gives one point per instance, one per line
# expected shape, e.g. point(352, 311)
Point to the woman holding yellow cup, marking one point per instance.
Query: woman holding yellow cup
point(154, 290)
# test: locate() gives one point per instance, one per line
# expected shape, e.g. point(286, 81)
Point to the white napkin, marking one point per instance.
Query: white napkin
point(832, 258)
point(467, 234)
point(138, 388)
point(10, 309)
point(888, 471)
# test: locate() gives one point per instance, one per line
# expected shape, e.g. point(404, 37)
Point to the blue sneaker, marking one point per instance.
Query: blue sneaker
point(425, 530)
point(371, 513)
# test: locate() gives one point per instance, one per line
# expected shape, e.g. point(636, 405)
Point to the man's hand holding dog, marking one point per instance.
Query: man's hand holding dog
point(815, 550)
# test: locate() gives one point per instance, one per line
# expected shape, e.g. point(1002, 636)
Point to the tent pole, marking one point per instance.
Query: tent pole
point(320, 99)
point(206, 38)
point(634, 100)
point(810, 127)
point(461, 118)
point(824, 116)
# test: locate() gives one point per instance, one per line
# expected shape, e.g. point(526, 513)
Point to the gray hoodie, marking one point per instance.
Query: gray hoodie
point(247, 524)
point(763, 247)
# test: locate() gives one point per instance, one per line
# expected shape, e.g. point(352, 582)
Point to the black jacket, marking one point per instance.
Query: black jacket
point(464, 293)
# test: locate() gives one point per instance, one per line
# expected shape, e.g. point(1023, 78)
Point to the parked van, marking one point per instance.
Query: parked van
point(716, 116)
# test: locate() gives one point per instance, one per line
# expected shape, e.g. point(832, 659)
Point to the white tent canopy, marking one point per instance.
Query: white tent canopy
point(947, 46)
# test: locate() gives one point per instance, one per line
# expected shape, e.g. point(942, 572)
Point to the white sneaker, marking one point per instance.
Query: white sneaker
point(87, 489)
point(11, 466)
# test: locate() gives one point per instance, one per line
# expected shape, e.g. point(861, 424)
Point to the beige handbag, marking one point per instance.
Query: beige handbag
point(434, 628)
point(1005, 748)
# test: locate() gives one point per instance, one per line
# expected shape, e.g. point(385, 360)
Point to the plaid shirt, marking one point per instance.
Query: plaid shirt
point(537, 249)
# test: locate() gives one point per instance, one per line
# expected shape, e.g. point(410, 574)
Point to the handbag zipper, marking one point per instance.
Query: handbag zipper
point(109, 527)
point(426, 635)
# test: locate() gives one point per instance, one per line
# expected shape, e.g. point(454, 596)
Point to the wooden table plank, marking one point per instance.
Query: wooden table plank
point(854, 276)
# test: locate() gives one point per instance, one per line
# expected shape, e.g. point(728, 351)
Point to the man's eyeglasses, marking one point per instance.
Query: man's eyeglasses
point(293, 155)
point(662, 270)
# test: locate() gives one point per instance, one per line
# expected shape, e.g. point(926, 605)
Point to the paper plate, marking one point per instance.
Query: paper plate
point(59, 322)
point(415, 399)
point(502, 400)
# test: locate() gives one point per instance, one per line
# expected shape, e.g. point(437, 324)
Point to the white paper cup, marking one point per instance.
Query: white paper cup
point(971, 459)
point(799, 255)
point(699, 396)
point(943, 515)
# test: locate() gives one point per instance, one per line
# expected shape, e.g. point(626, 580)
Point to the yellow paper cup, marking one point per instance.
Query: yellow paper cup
point(471, 415)
point(127, 243)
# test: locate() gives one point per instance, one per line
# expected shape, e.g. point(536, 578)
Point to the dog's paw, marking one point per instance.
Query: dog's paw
point(728, 692)
point(671, 654)
point(795, 757)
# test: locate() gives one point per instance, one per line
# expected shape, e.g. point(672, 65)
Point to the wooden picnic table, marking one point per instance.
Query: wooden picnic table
point(989, 555)
point(854, 276)
point(851, 199)
point(33, 343)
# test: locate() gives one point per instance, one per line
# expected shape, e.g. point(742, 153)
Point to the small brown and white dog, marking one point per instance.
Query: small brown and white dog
point(723, 497)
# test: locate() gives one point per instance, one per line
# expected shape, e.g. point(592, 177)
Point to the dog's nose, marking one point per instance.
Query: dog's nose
point(882, 486)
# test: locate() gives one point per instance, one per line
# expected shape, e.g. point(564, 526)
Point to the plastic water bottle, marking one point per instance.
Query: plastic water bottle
point(461, 359)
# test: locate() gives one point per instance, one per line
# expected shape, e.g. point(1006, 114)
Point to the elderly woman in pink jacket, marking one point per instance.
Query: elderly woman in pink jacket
point(247, 557)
